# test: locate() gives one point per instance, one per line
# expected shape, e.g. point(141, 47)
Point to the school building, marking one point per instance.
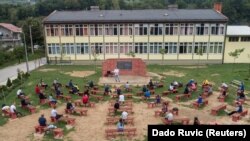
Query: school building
point(175, 35)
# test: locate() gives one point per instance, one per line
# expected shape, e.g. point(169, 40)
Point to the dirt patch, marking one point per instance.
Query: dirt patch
point(46, 70)
point(80, 73)
point(215, 74)
point(174, 73)
point(192, 67)
point(152, 74)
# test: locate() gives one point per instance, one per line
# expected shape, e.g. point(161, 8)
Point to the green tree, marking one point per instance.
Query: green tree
point(116, 4)
point(9, 83)
point(95, 57)
point(131, 53)
point(162, 52)
point(19, 53)
point(235, 54)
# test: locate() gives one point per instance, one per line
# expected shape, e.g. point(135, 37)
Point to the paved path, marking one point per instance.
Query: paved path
point(11, 72)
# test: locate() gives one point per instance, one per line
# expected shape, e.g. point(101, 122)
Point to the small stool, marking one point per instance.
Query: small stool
point(58, 133)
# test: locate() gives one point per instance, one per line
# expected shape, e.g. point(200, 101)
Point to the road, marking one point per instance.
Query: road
point(11, 72)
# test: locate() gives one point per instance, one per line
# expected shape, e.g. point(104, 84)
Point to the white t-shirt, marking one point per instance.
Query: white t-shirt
point(169, 116)
point(224, 85)
point(116, 71)
point(171, 87)
point(6, 108)
point(12, 108)
point(175, 83)
point(127, 85)
point(19, 91)
point(124, 115)
point(121, 98)
point(53, 113)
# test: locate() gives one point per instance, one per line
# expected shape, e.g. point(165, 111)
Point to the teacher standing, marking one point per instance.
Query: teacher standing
point(116, 73)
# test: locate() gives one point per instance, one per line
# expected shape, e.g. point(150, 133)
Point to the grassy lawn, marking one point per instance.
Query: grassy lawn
point(214, 73)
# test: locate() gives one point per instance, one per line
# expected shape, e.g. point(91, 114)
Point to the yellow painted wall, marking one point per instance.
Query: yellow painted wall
point(155, 38)
point(215, 56)
point(52, 40)
point(185, 56)
point(142, 56)
point(231, 46)
point(171, 38)
point(83, 39)
point(155, 56)
point(141, 38)
point(67, 39)
point(216, 38)
point(203, 57)
point(201, 38)
point(170, 56)
point(82, 57)
point(126, 39)
point(186, 38)
point(109, 56)
point(109, 39)
point(96, 39)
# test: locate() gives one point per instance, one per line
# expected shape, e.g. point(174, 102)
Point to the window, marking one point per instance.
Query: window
point(126, 48)
point(155, 47)
point(186, 29)
point(141, 48)
point(202, 46)
point(111, 48)
point(68, 48)
point(67, 30)
point(79, 30)
point(126, 29)
point(54, 48)
point(217, 29)
point(202, 29)
point(82, 48)
point(141, 29)
point(96, 29)
point(85, 30)
point(171, 47)
point(155, 29)
point(171, 29)
point(96, 48)
point(233, 39)
point(111, 29)
point(185, 48)
point(52, 30)
point(215, 47)
point(245, 39)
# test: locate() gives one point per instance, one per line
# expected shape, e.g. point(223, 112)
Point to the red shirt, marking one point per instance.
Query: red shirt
point(37, 90)
point(85, 99)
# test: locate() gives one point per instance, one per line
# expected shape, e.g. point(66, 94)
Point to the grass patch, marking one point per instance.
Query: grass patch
point(222, 113)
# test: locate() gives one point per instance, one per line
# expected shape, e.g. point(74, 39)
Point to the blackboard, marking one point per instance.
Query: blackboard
point(124, 65)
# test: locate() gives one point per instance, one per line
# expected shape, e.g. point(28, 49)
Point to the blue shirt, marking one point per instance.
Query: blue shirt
point(120, 125)
point(42, 121)
point(199, 101)
point(147, 94)
point(242, 87)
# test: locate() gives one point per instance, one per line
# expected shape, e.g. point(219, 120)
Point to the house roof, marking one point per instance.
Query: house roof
point(11, 27)
point(238, 30)
point(142, 16)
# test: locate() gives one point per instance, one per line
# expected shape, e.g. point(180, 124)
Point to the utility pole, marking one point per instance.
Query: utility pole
point(31, 40)
point(26, 54)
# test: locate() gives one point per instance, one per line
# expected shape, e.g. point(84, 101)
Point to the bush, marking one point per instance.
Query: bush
point(19, 76)
point(3, 88)
point(16, 82)
point(8, 84)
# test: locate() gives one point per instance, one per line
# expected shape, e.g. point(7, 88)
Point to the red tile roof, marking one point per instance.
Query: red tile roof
point(11, 27)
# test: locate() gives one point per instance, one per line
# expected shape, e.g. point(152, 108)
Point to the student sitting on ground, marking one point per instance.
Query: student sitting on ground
point(52, 100)
point(196, 121)
point(205, 83)
point(144, 88)
point(85, 99)
point(223, 93)
point(171, 87)
point(241, 95)
point(127, 87)
point(224, 87)
point(209, 90)
point(120, 125)
point(124, 116)
point(118, 91)
point(121, 98)
point(37, 89)
point(55, 115)
point(70, 106)
point(116, 105)
point(241, 87)
point(58, 92)
point(238, 109)
point(158, 99)
point(147, 94)
point(151, 84)
point(42, 121)
point(91, 84)
point(25, 103)
point(164, 108)
point(186, 91)
point(169, 117)
point(42, 96)
point(86, 92)
point(106, 89)
point(43, 84)
point(20, 93)
point(5, 107)
point(14, 111)
point(200, 100)
point(70, 84)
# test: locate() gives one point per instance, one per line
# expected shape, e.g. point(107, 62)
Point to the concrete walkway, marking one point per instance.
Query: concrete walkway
point(11, 72)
